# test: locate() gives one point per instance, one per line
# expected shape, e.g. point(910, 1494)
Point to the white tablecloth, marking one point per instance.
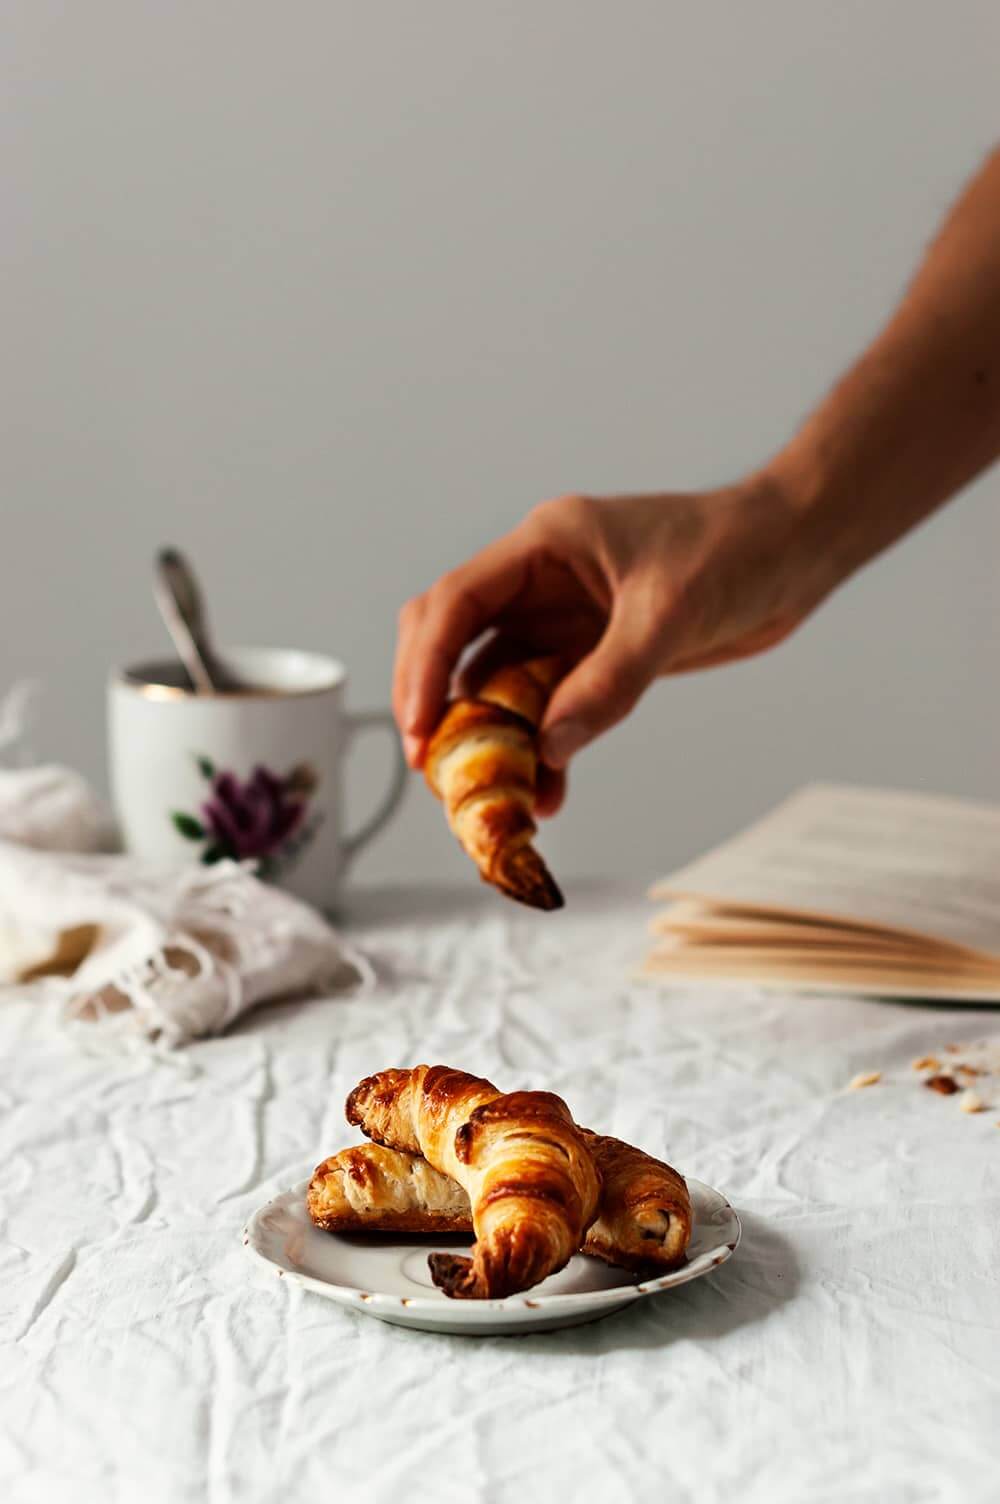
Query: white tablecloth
point(851, 1350)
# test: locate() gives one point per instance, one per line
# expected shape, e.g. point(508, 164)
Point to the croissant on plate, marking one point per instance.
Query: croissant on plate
point(643, 1212)
point(482, 762)
point(372, 1189)
point(528, 1173)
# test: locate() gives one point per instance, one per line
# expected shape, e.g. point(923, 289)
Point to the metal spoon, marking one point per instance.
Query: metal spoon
point(180, 602)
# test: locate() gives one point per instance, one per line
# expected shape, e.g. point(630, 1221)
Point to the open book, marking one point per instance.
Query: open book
point(844, 889)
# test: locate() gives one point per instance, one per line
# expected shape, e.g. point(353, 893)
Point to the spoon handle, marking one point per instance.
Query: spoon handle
point(180, 602)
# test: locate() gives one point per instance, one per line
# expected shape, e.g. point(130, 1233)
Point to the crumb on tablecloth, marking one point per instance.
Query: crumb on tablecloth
point(956, 1078)
point(946, 1085)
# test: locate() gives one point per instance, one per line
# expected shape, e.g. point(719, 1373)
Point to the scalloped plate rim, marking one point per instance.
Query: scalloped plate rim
point(522, 1311)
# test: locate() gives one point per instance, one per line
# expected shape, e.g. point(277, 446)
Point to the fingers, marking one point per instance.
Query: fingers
point(605, 685)
point(550, 790)
point(563, 628)
point(494, 651)
point(435, 627)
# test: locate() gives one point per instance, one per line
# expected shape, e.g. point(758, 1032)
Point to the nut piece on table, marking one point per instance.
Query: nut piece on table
point(971, 1101)
point(865, 1078)
point(946, 1085)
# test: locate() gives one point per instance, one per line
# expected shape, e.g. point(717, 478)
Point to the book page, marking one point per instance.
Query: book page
point(828, 974)
point(914, 863)
point(709, 923)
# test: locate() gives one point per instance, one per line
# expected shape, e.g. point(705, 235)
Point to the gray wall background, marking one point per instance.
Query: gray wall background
point(330, 294)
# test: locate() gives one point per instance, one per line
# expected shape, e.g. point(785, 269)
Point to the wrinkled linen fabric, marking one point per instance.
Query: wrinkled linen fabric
point(173, 955)
point(849, 1352)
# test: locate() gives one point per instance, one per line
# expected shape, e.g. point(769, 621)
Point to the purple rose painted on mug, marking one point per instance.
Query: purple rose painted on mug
point(262, 818)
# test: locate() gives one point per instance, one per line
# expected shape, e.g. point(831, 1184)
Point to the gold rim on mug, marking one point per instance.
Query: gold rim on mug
point(141, 681)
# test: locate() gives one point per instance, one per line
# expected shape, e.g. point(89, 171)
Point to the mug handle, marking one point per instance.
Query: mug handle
point(361, 720)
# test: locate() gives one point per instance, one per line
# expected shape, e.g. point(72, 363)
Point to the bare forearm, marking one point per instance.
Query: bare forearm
point(627, 589)
point(919, 415)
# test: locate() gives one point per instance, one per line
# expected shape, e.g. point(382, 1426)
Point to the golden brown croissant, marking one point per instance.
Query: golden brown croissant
point(369, 1187)
point(643, 1212)
point(530, 1178)
point(482, 762)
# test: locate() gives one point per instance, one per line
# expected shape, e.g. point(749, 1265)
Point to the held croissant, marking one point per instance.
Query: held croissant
point(530, 1178)
point(482, 762)
point(643, 1213)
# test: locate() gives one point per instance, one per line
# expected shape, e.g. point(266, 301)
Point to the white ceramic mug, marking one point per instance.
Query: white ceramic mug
point(255, 774)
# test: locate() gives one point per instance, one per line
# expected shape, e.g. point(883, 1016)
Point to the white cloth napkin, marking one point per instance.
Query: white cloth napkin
point(135, 952)
point(48, 806)
point(51, 808)
point(168, 956)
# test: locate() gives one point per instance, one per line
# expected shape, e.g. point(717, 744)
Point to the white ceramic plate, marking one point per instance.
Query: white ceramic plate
point(386, 1275)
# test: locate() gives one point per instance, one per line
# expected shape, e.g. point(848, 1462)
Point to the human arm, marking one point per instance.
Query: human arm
point(632, 588)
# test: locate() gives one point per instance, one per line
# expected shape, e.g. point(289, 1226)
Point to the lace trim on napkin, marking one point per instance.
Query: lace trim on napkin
point(230, 944)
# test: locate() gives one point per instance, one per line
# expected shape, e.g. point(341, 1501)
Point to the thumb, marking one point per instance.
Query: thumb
point(602, 689)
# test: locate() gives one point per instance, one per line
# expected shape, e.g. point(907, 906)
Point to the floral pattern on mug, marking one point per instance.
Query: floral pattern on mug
point(261, 818)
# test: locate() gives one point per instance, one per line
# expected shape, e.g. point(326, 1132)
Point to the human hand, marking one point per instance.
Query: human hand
point(626, 589)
